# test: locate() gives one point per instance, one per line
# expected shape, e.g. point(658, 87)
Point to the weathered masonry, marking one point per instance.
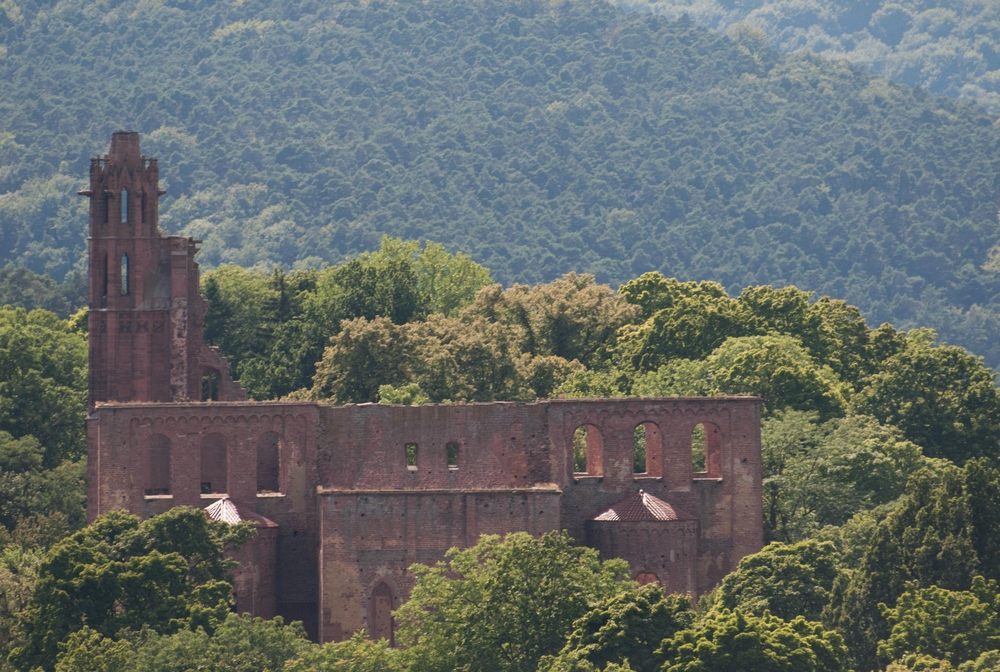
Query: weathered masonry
point(347, 497)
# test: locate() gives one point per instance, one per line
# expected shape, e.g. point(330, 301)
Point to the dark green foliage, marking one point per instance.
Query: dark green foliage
point(930, 539)
point(732, 641)
point(166, 573)
point(538, 137)
point(21, 288)
point(943, 398)
point(628, 626)
point(786, 580)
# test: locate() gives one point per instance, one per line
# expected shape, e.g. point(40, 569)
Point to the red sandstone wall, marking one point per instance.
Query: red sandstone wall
point(352, 513)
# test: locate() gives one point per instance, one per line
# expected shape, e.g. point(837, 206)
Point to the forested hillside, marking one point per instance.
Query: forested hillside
point(538, 137)
point(949, 47)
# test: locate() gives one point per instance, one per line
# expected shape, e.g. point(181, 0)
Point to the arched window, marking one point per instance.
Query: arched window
point(214, 465)
point(382, 602)
point(158, 465)
point(268, 464)
point(588, 448)
point(706, 450)
point(210, 385)
point(646, 450)
point(452, 449)
point(647, 577)
point(410, 453)
point(106, 208)
point(124, 274)
point(142, 206)
point(124, 203)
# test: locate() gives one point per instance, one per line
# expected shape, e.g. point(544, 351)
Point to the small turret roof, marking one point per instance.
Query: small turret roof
point(642, 507)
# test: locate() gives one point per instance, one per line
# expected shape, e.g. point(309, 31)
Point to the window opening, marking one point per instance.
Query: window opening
point(645, 578)
point(214, 465)
point(142, 206)
point(411, 456)
point(124, 202)
point(210, 386)
point(106, 202)
point(587, 447)
point(268, 464)
point(639, 449)
point(452, 455)
point(158, 465)
point(124, 274)
point(698, 449)
point(104, 282)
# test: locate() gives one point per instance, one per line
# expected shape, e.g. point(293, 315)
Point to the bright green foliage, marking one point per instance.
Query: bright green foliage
point(238, 644)
point(627, 628)
point(950, 625)
point(405, 395)
point(987, 662)
point(18, 570)
point(822, 474)
point(502, 605)
point(166, 573)
point(943, 398)
point(572, 317)
point(27, 489)
point(357, 654)
point(274, 326)
point(679, 377)
point(43, 382)
point(732, 641)
point(778, 369)
point(787, 580)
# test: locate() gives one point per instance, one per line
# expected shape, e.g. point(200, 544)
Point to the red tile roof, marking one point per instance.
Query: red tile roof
point(642, 507)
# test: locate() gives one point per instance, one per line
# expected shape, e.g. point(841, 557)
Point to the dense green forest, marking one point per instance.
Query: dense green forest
point(537, 137)
point(881, 480)
point(949, 47)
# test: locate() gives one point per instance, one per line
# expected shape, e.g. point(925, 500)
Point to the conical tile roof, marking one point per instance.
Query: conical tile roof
point(642, 507)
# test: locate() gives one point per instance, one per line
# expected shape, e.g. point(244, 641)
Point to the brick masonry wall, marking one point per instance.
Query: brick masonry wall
point(353, 514)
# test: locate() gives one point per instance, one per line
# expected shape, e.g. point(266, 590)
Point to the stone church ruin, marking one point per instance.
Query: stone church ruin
point(346, 498)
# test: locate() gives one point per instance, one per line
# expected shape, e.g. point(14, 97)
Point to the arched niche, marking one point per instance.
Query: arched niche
point(647, 450)
point(214, 465)
point(381, 612)
point(706, 450)
point(644, 578)
point(157, 465)
point(124, 203)
point(268, 463)
point(588, 449)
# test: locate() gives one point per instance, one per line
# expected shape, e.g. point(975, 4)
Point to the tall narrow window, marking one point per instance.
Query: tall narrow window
point(142, 206)
point(268, 464)
point(124, 203)
point(124, 272)
point(106, 208)
point(210, 385)
point(411, 456)
point(452, 455)
point(587, 451)
point(698, 449)
point(639, 449)
point(706, 450)
point(158, 465)
point(104, 281)
point(214, 465)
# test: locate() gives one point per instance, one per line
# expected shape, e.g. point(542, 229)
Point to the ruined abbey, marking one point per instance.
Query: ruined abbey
point(346, 498)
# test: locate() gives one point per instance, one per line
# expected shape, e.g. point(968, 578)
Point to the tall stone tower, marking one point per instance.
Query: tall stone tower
point(146, 312)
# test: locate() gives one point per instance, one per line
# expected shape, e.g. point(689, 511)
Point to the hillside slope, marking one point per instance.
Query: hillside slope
point(538, 137)
point(949, 47)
